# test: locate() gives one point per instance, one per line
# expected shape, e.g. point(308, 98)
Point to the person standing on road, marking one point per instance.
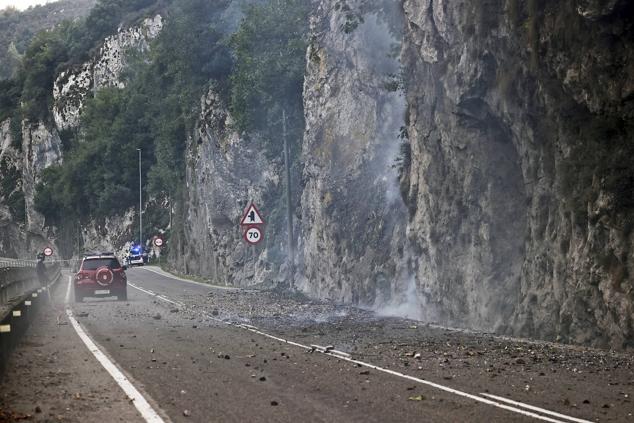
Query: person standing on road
point(40, 269)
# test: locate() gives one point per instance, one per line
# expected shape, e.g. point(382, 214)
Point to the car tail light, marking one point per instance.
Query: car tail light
point(79, 276)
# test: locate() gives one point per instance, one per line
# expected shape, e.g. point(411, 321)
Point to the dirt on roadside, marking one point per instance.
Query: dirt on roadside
point(51, 376)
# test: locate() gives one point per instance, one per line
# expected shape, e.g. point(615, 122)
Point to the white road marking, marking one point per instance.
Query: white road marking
point(146, 410)
point(398, 374)
point(160, 297)
point(532, 407)
point(70, 282)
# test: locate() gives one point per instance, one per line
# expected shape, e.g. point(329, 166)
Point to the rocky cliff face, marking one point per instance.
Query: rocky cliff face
point(23, 228)
point(225, 173)
point(106, 70)
point(520, 183)
point(516, 174)
point(353, 218)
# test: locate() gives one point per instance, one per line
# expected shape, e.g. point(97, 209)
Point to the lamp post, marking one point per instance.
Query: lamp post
point(140, 203)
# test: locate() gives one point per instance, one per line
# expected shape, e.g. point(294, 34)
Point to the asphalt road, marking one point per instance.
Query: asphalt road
point(203, 354)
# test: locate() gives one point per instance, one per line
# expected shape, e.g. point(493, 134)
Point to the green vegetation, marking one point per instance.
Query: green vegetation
point(258, 71)
point(17, 29)
point(270, 48)
point(153, 113)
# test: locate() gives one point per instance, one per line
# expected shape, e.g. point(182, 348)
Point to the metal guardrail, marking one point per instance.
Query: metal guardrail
point(18, 277)
point(9, 262)
point(17, 314)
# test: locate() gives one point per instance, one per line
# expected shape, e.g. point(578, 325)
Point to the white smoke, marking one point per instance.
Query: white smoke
point(405, 303)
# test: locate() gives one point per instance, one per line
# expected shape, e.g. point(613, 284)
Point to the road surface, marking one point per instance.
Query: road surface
point(194, 353)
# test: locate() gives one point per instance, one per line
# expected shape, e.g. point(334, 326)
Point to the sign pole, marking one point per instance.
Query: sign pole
point(289, 210)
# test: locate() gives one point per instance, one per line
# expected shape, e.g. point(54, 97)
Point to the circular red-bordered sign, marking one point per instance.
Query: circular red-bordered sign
point(158, 242)
point(48, 251)
point(253, 235)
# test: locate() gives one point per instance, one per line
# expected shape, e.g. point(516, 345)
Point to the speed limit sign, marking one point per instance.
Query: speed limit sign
point(158, 242)
point(253, 235)
point(48, 251)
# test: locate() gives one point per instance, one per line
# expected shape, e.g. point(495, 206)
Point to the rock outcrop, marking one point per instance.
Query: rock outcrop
point(353, 217)
point(72, 86)
point(225, 173)
point(520, 182)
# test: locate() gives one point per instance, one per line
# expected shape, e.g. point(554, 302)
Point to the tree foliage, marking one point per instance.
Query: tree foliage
point(258, 70)
point(270, 48)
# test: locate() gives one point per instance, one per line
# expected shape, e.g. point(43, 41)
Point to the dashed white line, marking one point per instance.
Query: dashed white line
point(70, 282)
point(477, 398)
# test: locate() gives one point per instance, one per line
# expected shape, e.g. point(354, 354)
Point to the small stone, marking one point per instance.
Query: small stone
point(214, 312)
point(262, 379)
point(606, 406)
point(274, 403)
point(38, 409)
point(157, 316)
point(227, 357)
point(364, 372)
point(186, 413)
point(174, 310)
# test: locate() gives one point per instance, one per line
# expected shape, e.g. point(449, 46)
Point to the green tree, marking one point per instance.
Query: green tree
point(270, 48)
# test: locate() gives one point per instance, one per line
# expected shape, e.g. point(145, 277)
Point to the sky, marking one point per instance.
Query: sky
point(21, 4)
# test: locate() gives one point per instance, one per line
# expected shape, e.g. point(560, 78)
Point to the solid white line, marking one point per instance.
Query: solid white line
point(388, 371)
point(146, 410)
point(532, 407)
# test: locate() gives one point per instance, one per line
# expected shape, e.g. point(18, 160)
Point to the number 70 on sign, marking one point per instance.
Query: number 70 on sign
point(253, 235)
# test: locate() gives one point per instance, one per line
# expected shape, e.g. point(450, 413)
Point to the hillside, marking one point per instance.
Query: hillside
point(17, 28)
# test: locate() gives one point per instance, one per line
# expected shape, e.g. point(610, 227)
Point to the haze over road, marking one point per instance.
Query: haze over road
point(186, 348)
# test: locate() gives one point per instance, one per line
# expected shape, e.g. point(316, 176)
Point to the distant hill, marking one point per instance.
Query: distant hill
point(18, 28)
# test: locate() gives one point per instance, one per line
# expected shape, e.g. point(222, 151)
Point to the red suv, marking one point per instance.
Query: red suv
point(101, 275)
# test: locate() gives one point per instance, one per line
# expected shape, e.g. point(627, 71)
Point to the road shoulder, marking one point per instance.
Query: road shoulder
point(51, 376)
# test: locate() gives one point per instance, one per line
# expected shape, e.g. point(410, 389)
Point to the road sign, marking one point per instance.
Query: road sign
point(48, 251)
point(252, 216)
point(158, 241)
point(253, 235)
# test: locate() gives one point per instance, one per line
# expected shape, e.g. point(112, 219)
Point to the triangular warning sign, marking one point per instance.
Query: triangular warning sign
point(252, 216)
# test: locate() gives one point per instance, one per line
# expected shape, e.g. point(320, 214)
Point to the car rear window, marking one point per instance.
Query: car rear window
point(94, 264)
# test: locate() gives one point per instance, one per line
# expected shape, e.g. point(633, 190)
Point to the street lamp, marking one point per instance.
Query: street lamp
point(140, 203)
